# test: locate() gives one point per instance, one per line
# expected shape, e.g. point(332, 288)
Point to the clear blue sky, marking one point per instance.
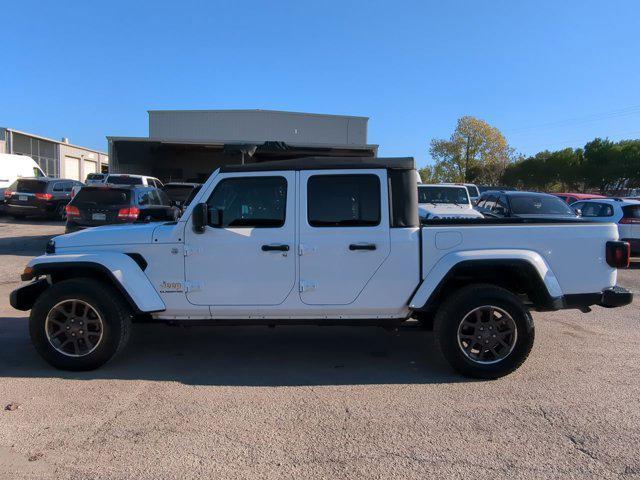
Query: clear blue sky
point(549, 74)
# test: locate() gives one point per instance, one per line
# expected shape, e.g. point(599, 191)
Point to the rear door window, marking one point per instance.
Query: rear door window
point(593, 209)
point(145, 197)
point(343, 200)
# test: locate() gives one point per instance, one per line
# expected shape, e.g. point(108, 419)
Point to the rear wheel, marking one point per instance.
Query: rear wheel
point(79, 324)
point(61, 212)
point(484, 331)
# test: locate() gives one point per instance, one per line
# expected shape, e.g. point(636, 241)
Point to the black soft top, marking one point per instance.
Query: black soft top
point(403, 194)
point(325, 163)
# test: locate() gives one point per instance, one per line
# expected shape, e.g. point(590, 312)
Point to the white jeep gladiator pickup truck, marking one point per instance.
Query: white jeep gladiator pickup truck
point(325, 242)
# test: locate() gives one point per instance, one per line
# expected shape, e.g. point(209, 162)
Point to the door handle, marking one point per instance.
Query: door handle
point(362, 246)
point(275, 248)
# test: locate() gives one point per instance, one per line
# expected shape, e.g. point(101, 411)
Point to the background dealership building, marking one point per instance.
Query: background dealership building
point(190, 144)
point(57, 158)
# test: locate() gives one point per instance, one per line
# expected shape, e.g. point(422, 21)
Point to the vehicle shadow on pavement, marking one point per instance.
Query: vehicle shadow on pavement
point(25, 246)
point(249, 356)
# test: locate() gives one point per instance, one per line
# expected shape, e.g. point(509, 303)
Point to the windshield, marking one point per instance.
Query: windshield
point(88, 196)
point(540, 205)
point(124, 180)
point(95, 176)
point(433, 194)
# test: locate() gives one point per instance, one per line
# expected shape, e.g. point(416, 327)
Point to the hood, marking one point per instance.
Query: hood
point(447, 210)
point(127, 234)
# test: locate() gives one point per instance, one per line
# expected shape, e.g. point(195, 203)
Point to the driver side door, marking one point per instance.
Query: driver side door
point(248, 257)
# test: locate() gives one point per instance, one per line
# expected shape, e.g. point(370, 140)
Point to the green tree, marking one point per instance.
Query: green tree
point(475, 152)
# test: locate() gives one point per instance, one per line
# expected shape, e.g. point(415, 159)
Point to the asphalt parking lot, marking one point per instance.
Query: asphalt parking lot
point(312, 402)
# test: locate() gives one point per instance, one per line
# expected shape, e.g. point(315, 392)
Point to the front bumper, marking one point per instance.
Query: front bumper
point(24, 297)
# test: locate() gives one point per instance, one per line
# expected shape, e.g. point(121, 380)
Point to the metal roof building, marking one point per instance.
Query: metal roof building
point(190, 144)
point(56, 158)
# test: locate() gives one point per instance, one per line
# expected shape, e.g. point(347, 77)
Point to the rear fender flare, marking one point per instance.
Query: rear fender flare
point(438, 274)
point(123, 271)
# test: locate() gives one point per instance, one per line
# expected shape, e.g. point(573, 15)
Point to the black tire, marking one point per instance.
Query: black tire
point(114, 312)
point(18, 217)
point(453, 311)
point(60, 213)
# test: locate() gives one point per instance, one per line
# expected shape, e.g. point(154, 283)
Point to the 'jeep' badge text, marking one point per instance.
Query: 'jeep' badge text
point(171, 287)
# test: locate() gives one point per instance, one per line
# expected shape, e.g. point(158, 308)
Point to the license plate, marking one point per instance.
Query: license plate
point(99, 216)
point(22, 198)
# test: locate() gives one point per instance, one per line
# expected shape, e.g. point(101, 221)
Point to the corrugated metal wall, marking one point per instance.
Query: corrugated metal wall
point(257, 126)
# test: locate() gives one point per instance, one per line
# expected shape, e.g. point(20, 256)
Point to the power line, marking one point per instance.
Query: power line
point(623, 112)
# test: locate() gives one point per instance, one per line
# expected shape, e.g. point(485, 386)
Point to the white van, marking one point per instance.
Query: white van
point(13, 167)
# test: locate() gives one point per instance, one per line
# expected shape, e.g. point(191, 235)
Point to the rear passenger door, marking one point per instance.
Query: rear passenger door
point(344, 233)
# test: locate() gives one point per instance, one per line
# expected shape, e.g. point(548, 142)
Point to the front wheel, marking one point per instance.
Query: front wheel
point(79, 324)
point(484, 331)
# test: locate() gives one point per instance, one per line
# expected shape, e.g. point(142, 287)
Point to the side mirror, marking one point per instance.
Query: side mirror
point(578, 211)
point(199, 217)
point(215, 217)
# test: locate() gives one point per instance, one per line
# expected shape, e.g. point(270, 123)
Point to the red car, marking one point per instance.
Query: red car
point(574, 197)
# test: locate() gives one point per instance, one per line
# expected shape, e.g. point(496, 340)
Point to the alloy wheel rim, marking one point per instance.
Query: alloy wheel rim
point(487, 335)
point(74, 328)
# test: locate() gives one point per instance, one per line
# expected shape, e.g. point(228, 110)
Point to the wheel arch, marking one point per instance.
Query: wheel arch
point(119, 270)
point(527, 275)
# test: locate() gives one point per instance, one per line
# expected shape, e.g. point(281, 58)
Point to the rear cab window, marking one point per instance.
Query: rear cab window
point(343, 200)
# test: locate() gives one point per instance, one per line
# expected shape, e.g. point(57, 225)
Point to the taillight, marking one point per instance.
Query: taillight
point(8, 193)
point(44, 196)
point(629, 220)
point(129, 214)
point(618, 254)
point(72, 211)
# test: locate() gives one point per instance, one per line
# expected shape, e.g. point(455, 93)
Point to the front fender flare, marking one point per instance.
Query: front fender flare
point(121, 268)
point(438, 273)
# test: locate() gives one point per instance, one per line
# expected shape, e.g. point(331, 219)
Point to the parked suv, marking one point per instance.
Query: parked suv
point(498, 204)
point(42, 197)
point(108, 204)
point(625, 213)
point(120, 179)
